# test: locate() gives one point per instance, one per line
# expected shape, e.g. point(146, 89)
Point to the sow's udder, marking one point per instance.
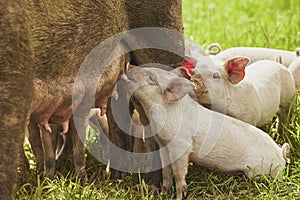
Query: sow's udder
point(52, 102)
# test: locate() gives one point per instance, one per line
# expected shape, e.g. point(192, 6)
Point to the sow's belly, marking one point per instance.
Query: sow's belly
point(52, 102)
point(52, 99)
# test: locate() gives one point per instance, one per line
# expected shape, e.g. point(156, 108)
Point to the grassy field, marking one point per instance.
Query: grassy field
point(268, 23)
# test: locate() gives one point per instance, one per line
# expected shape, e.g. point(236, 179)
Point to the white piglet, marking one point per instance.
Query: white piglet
point(191, 132)
point(253, 94)
point(256, 53)
point(294, 68)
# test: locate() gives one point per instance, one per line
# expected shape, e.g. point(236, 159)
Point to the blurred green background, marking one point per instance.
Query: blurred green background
point(261, 23)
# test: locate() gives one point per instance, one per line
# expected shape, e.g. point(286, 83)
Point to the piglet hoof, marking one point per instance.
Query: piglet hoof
point(167, 190)
point(181, 192)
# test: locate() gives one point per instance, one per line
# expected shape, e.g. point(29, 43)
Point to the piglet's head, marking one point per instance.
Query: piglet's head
point(177, 88)
point(156, 86)
point(235, 69)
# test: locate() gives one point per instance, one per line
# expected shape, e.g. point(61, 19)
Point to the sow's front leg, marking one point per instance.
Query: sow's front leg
point(16, 89)
point(78, 139)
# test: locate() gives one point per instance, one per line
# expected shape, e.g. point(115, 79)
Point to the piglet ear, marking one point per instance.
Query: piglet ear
point(285, 149)
point(235, 68)
point(182, 72)
point(177, 88)
point(128, 67)
point(298, 52)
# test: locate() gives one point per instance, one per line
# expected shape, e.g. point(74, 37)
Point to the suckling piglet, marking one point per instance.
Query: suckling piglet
point(253, 94)
point(191, 132)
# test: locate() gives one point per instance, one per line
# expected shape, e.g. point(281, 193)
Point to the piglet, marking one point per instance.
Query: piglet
point(253, 94)
point(256, 53)
point(191, 132)
point(294, 68)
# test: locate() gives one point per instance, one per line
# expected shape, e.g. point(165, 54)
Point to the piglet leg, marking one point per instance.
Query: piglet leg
point(283, 117)
point(167, 172)
point(180, 169)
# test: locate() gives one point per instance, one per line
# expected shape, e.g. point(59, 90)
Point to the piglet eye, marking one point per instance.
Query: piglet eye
point(216, 75)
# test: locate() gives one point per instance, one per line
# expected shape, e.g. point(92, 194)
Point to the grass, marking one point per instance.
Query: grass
point(268, 23)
